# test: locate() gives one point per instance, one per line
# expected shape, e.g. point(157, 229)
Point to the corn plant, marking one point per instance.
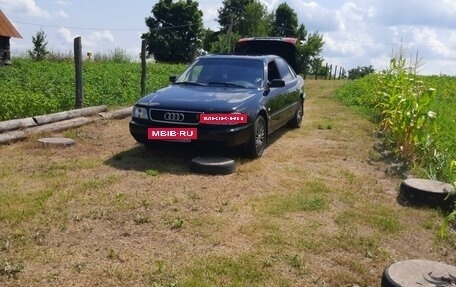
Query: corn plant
point(404, 103)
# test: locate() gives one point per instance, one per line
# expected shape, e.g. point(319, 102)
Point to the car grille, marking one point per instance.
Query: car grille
point(174, 117)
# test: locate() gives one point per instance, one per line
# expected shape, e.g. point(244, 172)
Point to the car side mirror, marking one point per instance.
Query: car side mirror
point(276, 83)
point(172, 78)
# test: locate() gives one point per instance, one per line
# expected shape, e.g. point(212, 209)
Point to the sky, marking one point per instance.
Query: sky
point(356, 32)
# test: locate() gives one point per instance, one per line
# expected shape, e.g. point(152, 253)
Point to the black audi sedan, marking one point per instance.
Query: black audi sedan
point(235, 100)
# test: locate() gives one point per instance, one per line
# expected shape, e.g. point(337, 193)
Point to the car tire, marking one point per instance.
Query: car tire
point(417, 272)
point(213, 165)
point(427, 192)
point(296, 121)
point(257, 142)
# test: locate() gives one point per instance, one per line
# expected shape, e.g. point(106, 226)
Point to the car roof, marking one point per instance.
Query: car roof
point(263, 58)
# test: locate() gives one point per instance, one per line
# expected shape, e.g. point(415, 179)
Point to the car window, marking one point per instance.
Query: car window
point(273, 71)
point(285, 70)
point(248, 73)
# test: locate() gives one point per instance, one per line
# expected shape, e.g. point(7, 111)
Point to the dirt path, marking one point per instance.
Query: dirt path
point(317, 209)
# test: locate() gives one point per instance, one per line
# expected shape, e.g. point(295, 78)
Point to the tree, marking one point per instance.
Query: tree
point(244, 17)
point(240, 18)
point(360, 72)
point(285, 22)
point(39, 51)
point(209, 38)
point(301, 33)
point(308, 52)
point(232, 14)
point(175, 31)
point(256, 21)
point(225, 43)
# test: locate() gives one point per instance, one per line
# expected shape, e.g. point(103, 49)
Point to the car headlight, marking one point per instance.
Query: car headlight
point(140, 113)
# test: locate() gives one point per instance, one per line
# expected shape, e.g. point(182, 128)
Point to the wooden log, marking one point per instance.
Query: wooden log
point(50, 118)
point(12, 136)
point(84, 112)
point(16, 124)
point(117, 114)
point(60, 126)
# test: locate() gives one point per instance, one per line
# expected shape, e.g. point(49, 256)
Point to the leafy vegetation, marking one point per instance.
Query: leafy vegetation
point(30, 88)
point(39, 51)
point(173, 24)
point(285, 21)
point(403, 103)
point(416, 116)
point(175, 31)
point(360, 72)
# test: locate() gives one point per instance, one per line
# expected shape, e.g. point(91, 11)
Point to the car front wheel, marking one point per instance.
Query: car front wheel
point(257, 142)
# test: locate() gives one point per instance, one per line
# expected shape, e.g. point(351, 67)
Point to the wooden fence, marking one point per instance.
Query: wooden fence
point(78, 61)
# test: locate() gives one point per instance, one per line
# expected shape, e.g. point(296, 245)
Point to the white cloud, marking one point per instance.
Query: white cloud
point(270, 4)
point(210, 15)
point(62, 14)
point(96, 40)
point(63, 2)
point(437, 13)
point(66, 35)
point(356, 32)
point(99, 37)
point(27, 7)
point(315, 17)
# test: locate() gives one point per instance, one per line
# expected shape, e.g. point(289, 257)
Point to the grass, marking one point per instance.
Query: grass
point(32, 88)
point(316, 210)
point(438, 146)
point(309, 198)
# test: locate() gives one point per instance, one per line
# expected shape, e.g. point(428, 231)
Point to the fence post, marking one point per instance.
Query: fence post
point(326, 71)
point(78, 68)
point(143, 67)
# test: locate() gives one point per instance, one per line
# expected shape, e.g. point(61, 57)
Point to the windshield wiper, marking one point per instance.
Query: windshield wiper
point(189, 83)
point(227, 84)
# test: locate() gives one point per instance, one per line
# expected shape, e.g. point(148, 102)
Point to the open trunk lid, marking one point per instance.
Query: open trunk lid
point(283, 47)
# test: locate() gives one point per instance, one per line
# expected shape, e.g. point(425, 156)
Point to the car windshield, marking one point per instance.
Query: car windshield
point(227, 72)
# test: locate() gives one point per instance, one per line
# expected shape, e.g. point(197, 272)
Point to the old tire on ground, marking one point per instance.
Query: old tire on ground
point(426, 192)
point(212, 165)
point(257, 142)
point(418, 273)
point(57, 142)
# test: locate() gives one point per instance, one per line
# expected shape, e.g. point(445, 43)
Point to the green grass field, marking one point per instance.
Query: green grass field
point(31, 88)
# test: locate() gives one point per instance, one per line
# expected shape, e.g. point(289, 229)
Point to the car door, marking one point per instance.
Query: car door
point(291, 93)
point(281, 102)
point(274, 97)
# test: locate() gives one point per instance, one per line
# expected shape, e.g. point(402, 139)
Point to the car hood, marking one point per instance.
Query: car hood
point(204, 98)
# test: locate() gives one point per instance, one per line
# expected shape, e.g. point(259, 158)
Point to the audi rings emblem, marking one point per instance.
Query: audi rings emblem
point(174, 117)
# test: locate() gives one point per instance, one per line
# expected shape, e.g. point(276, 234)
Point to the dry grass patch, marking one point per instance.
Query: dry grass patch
point(316, 210)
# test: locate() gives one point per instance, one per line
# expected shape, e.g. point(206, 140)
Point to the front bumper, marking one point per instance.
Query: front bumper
point(229, 135)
